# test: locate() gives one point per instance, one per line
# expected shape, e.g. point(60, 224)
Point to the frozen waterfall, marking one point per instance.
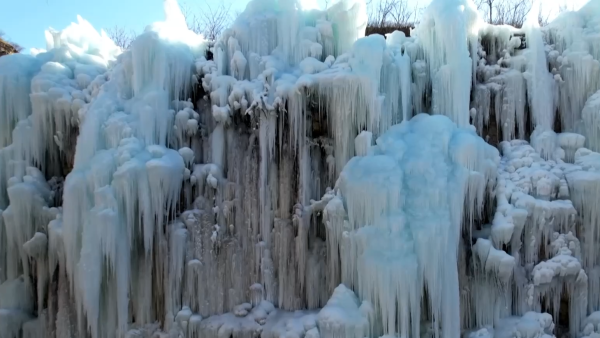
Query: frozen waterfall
point(296, 179)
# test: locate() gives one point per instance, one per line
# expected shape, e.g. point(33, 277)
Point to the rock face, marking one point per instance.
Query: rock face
point(305, 181)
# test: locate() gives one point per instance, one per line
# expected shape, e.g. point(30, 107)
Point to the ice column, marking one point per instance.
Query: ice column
point(405, 197)
point(449, 52)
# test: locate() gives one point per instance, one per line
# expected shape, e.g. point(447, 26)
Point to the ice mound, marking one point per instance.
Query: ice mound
point(401, 199)
point(16, 306)
point(531, 324)
point(343, 315)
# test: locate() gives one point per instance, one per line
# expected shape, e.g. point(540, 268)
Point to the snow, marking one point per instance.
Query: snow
point(363, 142)
point(305, 182)
point(344, 316)
point(530, 324)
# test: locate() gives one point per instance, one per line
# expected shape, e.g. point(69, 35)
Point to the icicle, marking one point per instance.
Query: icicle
point(540, 84)
point(178, 240)
point(591, 118)
point(584, 187)
point(493, 274)
point(447, 54)
point(563, 272)
point(16, 72)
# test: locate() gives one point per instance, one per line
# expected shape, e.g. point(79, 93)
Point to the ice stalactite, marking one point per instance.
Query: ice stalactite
point(584, 187)
point(563, 272)
point(491, 290)
point(575, 59)
point(508, 90)
point(449, 55)
point(591, 118)
point(118, 179)
point(549, 193)
point(27, 214)
point(583, 184)
point(540, 82)
point(15, 80)
point(16, 74)
point(501, 89)
point(556, 66)
point(536, 190)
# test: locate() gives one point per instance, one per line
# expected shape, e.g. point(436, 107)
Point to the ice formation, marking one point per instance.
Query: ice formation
point(295, 178)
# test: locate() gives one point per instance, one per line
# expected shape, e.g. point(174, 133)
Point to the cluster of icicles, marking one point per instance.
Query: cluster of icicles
point(305, 182)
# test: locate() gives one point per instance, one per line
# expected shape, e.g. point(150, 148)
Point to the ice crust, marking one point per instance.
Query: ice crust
point(307, 181)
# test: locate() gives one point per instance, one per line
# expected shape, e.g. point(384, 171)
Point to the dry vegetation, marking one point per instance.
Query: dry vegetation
point(508, 12)
point(385, 16)
point(8, 47)
point(211, 21)
point(121, 37)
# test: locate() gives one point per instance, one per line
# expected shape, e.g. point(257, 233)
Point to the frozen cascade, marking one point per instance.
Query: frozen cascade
point(405, 197)
point(305, 181)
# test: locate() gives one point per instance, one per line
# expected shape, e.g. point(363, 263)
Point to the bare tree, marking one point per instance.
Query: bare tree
point(543, 19)
point(121, 37)
point(17, 47)
point(486, 8)
point(513, 12)
point(505, 12)
point(187, 14)
point(210, 21)
point(379, 12)
point(403, 15)
point(385, 16)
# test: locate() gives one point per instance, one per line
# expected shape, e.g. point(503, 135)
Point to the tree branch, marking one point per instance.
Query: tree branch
point(121, 37)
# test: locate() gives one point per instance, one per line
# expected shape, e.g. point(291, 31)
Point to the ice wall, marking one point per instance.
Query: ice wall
point(306, 181)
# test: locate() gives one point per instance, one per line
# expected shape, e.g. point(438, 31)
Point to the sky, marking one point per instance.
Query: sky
point(24, 21)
